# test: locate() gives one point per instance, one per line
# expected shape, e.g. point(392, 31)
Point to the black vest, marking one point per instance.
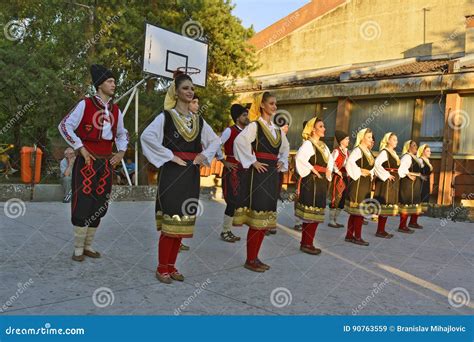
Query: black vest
point(175, 142)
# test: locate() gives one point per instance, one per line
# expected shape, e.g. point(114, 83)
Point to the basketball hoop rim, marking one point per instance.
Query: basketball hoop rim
point(190, 70)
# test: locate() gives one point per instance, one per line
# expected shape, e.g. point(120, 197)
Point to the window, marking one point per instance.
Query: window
point(329, 113)
point(432, 125)
point(382, 116)
point(466, 141)
point(300, 113)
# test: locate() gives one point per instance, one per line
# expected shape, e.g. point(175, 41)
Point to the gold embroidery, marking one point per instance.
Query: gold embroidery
point(309, 213)
point(417, 160)
point(388, 210)
point(410, 208)
point(394, 155)
point(181, 126)
point(367, 154)
point(175, 225)
point(275, 142)
point(255, 219)
point(427, 161)
point(322, 148)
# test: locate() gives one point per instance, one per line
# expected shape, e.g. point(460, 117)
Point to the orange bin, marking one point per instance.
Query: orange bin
point(27, 154)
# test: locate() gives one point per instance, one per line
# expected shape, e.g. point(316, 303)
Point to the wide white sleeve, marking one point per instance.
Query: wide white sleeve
point(224, 137)
point(351, 167)
point(305, 152)
point(152, 143)
point(380, 171)
point(284, 152)
point(210, 141)
point(404, 167)
point(69, 124)
point(122, 138)
point(331, 160)
point(243, 145)
point(334, 155)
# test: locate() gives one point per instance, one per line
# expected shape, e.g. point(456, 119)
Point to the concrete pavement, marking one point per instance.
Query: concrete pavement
point(429, 272)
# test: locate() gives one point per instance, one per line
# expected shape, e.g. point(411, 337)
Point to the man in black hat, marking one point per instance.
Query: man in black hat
point(230, 179)
point(91, 129)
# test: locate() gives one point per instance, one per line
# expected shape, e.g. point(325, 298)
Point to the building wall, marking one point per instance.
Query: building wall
point(362, 31)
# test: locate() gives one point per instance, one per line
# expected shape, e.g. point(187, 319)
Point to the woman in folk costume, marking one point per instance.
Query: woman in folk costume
point(298, 222)
point(339, 185)
point(410, 187)
point(263, 150)
point(178, 142)
point(360, 168)
point(314, 164)
point(387, 183)
point(424, 153)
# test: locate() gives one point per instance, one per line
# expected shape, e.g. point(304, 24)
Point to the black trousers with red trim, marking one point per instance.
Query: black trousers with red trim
point(91, 187)
point(230, 189)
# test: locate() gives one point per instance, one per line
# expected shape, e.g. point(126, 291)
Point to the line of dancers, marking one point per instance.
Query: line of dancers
point(256, 153)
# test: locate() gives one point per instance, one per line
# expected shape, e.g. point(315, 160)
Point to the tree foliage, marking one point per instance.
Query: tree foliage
point(44, 63)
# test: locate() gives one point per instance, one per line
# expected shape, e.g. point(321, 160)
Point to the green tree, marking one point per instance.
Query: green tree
point(46, 70)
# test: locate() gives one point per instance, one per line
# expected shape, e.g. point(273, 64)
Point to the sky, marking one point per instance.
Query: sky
point(263, 13)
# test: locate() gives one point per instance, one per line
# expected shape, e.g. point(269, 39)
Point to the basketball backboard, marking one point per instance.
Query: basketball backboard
point(167, 51)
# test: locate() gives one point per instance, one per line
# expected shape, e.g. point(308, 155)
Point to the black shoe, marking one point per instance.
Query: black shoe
point(227, 237)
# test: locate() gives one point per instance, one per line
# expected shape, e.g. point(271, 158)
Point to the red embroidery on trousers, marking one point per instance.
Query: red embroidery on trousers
point(87, 172)
point(103, 180)
point(234, 181)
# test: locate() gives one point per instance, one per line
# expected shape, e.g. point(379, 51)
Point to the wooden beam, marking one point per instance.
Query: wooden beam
point(344, 107)
point(450, 143)
point(417, 119)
